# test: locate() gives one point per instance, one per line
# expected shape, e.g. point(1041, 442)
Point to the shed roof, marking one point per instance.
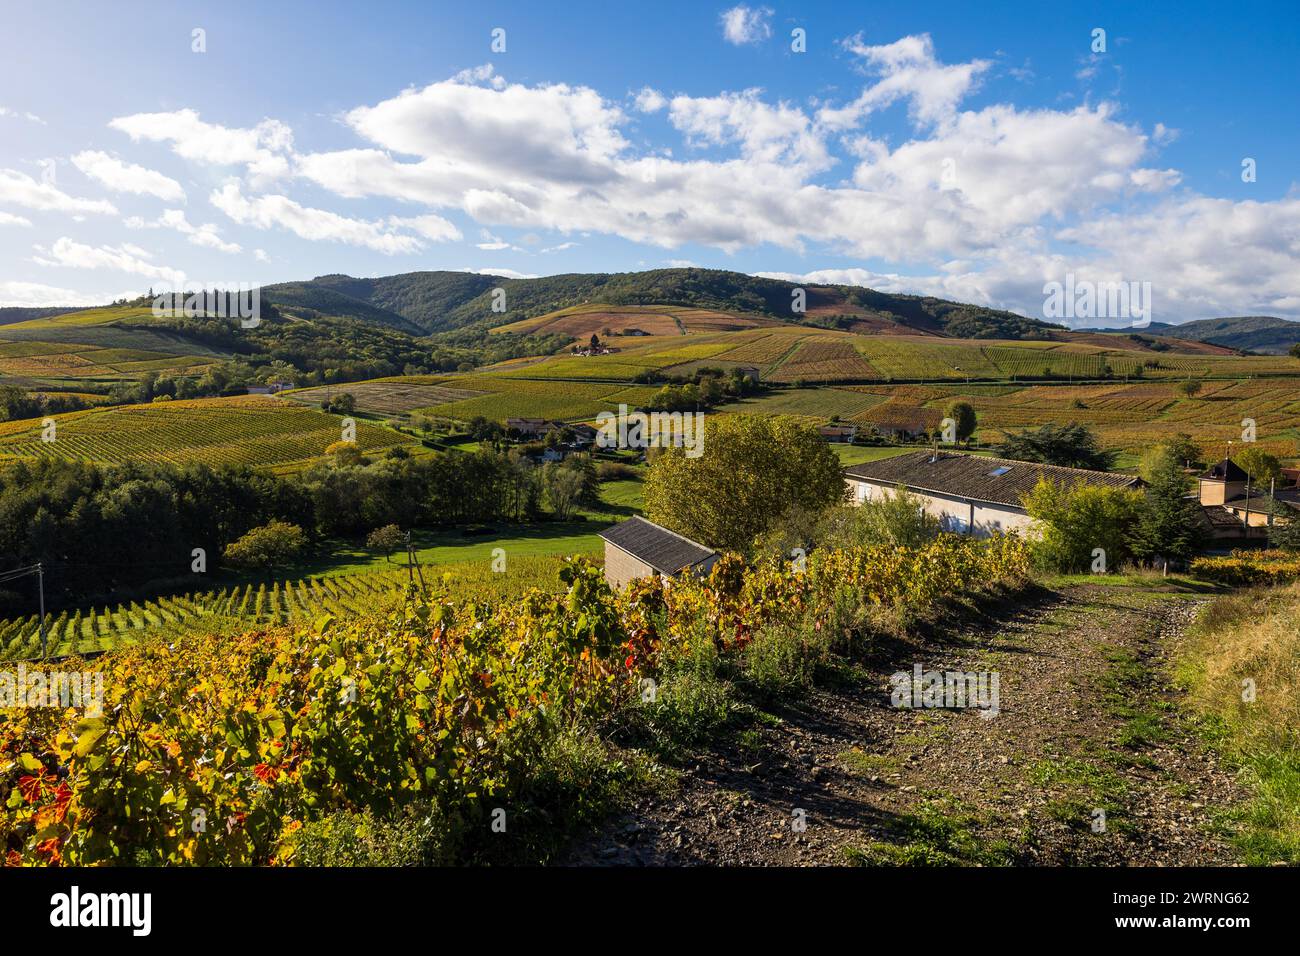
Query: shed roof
point(665, 551)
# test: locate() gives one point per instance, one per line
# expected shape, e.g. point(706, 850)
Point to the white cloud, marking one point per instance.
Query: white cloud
point(908, 70)
point(504, 273)
point(20, 114)
point(126, 177)
point(206, 235)
point(983, 203)
point(38, 295)
point(22, 190)
point(650, 100)
point(124, 258)
point(267, 212)
point(9, 219)
point(264, 150)
point(742, 24)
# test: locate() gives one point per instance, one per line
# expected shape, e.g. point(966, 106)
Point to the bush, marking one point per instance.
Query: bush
point(1243, 568)
point(351, 838)
point(616, 471)
point(1079, 520)
point(783, 658)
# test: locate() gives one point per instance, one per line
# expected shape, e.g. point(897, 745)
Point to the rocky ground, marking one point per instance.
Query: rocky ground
point(1087, 725)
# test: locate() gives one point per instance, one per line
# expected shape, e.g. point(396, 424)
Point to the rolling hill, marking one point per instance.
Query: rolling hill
point(1265, 334)
point(443, 301)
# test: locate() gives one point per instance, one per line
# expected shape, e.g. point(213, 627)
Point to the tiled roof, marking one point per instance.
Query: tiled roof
point(1226, 470)
point(995, 480)
point(665, 551)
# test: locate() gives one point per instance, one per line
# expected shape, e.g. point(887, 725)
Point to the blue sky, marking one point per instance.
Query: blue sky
point(943, 148)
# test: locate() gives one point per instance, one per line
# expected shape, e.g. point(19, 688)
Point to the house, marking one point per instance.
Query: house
point(583, 435)
point(529, 427)
point(839, 433)
point(637, 548)
point(270, 388)
point(969, 493)
point(904, 422)
point(749, 371)
point(1226, 489)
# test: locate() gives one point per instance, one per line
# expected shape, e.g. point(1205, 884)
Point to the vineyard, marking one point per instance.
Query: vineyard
point(448, 706)
point(246, 430)
point(825, 360)
point(277, 602)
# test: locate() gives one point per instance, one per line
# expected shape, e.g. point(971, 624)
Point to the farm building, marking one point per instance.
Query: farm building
point(840, 433)
point(637, 548)
point(968, 493)
point(529, 427)
point(1229, 499)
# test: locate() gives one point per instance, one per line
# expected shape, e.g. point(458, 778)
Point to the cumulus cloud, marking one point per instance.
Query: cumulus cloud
point(981, 203)
point(126, 177)
point(123, 258)
point(273, 211)
point(206, 235)
point(9, 219)
point(21, 114)
point(263, 149)
point(22, 190)
point(650, 100)
point(743, 25)
point(39, 295)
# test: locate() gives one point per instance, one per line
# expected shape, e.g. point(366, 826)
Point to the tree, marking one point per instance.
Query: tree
point(963, 413)
point(1185, 451)
point(751, 471)
point(1071, 446)
point(1294, 351)
point(344, 403)
point(386, 539)
point(563, 487)
point(595, 341)
point(1170, 523)
point(1189, 389)
point(265, 548)
point(345, 453)
point(1259, 464)
point(1285, 534)
point(898, 519)
point(1078, 520)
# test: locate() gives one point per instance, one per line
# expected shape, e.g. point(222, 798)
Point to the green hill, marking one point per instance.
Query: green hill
point(1255, 333)
point(444, 301)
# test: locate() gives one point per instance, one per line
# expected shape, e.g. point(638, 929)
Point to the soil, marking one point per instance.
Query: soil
point(1087, 721)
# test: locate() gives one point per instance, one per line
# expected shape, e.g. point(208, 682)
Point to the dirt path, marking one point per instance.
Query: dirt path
point(1086, 723)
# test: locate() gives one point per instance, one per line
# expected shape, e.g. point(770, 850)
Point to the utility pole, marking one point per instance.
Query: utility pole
point(40, 580)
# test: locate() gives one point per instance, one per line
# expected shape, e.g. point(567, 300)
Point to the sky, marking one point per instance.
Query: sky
point(976, 152)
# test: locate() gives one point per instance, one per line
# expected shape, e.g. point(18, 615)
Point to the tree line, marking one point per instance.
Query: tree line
point(103, 531)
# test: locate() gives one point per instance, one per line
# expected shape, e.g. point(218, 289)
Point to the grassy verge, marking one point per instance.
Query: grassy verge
point(1241, 665)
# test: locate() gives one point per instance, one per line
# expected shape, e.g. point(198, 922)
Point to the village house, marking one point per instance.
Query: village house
point(969, 494)
point(637, 548)
point(529, 427)
point(1235, 508)
point(838, 433)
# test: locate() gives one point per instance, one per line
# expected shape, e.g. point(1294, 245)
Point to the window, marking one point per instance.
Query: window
point(999, 471)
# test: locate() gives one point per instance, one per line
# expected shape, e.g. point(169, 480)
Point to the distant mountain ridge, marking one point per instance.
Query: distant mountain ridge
point(445, 301)
point(1268, 334)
